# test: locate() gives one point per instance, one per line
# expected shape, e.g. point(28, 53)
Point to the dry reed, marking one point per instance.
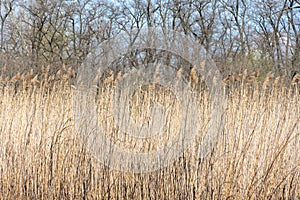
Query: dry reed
point(257, 156)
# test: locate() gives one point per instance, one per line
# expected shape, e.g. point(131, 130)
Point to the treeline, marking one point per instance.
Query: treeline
point(238, 34)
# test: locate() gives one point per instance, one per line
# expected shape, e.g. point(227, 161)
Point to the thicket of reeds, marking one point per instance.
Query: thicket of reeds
point(257, 155)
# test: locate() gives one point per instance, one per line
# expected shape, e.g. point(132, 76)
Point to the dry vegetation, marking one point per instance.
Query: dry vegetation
point(257, 156)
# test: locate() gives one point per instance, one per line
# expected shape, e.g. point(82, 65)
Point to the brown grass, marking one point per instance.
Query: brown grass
point(257, 156)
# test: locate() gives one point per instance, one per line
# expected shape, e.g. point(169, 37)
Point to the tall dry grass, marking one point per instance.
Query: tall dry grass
point(257, 156)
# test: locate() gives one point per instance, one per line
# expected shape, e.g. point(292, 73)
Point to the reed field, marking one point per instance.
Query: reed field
point(257, 155)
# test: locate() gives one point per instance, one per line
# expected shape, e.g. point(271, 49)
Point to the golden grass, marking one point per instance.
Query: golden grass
point(257, 156)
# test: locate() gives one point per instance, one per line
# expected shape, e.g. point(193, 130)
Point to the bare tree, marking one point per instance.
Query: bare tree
point(62, 31)
point(6, 8)
point(237, 9)
point(294, 23)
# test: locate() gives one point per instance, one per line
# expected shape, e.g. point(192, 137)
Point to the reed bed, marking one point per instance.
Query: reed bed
point(257, 155)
